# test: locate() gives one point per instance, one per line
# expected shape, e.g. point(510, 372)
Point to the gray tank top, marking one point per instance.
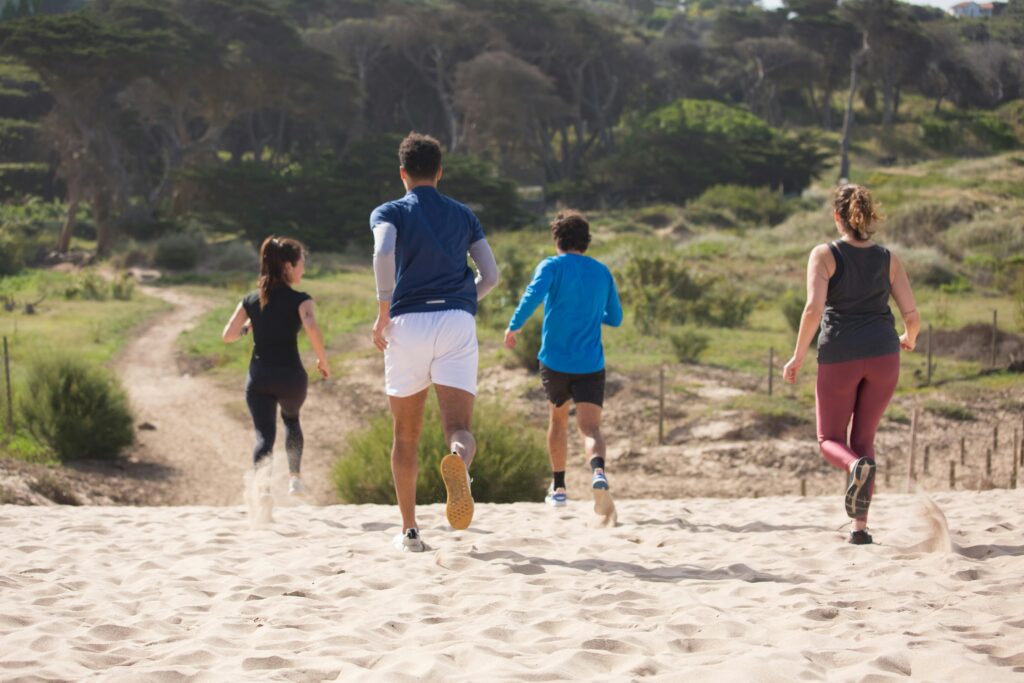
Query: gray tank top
point(857, 322)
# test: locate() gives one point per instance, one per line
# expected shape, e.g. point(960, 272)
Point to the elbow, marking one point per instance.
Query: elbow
point(814, 311)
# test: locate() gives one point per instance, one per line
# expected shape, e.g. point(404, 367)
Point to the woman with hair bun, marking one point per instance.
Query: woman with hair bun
point(849, 282)
point(276, 312)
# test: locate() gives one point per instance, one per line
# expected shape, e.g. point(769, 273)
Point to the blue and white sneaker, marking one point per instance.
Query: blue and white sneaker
point(556, 498)
point(600, 481)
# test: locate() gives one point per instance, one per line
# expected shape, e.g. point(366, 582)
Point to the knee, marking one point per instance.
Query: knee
point(588, 431)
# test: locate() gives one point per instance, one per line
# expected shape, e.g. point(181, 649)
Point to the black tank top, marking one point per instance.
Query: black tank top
point(275, 329)
point(857, 321)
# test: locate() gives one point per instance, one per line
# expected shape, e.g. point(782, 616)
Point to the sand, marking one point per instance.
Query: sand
point(697, 590)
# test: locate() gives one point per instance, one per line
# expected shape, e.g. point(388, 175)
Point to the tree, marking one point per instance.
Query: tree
point(778, 64)
point(506, 104)
point(85, 64)
point(817, 25)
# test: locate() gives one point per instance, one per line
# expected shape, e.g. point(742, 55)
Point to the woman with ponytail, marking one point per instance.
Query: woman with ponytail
point(849, 282)
point(275, 313)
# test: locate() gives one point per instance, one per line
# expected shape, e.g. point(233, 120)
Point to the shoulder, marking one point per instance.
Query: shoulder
point(822, 258)
point(301, 297)
point(462, 208)
point(388, 210)
point(251, 299)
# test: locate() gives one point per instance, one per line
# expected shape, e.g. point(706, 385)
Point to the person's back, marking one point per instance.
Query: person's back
point(857, 322)
point(276, 325)
point(433, 234)
point(574, 310)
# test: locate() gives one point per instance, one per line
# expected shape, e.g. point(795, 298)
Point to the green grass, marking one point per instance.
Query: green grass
point(90, 331)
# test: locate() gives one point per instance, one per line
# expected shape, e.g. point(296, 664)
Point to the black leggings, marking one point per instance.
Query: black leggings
point(266, 387)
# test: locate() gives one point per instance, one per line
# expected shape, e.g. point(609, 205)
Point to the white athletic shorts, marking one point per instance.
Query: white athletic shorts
point(434, 347)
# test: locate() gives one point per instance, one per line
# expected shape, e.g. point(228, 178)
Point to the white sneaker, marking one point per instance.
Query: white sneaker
point(295, 486)
point(556, 498)
point(409, 542)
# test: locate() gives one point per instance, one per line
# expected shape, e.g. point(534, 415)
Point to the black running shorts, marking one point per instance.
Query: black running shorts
point(561, 386)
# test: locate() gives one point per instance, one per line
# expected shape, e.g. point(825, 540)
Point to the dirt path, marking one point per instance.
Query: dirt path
point(202, 445)
point(202, 439)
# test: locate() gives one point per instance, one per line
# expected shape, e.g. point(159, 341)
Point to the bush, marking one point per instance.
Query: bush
point(793, 303)
point(511, 463)
point(662, 291)
point(950, 411)
point(178, 252)
point(688, 345)
point(123, 288)
point(78, 410)
point(737, 206)
point(235, 255)
point(90, 287)
point(938, 133)
point(678, 151)
point(528, 345)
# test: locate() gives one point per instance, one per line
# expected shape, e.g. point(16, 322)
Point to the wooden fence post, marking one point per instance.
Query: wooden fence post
point(913, 451)
point(988, 462)
point(952, 474)
point(929, 349)
point(661, 405)
point(771, 368)
point(995, 330)
point(803, 487)
point(963, 451)
point(927, 457)
point(7, 380)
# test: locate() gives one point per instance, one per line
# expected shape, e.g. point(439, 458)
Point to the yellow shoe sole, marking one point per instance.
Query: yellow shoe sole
point(459, 508)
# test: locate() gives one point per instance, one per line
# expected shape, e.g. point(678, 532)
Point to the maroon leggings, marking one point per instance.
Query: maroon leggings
point(860, 389)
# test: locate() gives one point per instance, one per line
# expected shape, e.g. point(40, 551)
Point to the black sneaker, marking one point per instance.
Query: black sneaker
point(860, 538)
point(858, 487)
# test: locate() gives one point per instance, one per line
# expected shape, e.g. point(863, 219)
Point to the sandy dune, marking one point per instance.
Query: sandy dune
point(698, 590)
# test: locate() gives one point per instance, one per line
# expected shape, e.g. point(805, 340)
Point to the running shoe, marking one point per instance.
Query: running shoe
point(861, 537)
point(858, 487)
point(295, 486)
point(600, 481)
point(459, 508)
point(556, 498)
point(409, 542)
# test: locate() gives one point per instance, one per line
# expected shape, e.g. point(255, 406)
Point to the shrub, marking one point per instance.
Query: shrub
point(78, 410)
point(90, 287)
point(676, 152)
point(528, 345)
point(938, 133)
point(511, 463)
point(178, 252)
point(123, 288)
point(662, 291)
point(688, 345)
point(950, 411)
point(736, 206)
point(235, 255)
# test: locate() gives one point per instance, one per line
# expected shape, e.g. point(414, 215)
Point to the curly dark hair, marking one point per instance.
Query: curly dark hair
point(857, 209)
point(571, 231)
point(420, 156)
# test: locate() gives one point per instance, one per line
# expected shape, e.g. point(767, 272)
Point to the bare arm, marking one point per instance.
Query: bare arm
point(904, 297)
point(307, 312)
point(237, 326)
point(820, 267)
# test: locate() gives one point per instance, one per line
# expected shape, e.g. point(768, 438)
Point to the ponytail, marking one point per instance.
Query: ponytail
point(274, 253)
point(857, 210)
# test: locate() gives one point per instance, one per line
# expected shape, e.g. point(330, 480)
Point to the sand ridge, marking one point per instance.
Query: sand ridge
point(701, 589)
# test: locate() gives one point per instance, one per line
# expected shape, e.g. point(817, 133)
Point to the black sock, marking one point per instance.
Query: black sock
point(597, 462)
point(559, 479)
